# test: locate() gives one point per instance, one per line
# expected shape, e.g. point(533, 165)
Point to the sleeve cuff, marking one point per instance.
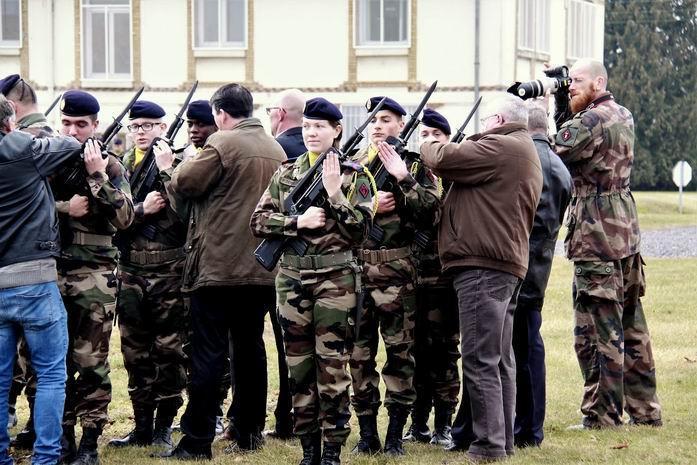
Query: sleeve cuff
point(139, 211)
point(407, 184)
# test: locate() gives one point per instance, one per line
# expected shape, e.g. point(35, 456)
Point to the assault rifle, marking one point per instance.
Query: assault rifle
point(307, 193)
point(53, 105)
point(74, 176)
point(146, 177)
point(383, 179)
point(460, 135)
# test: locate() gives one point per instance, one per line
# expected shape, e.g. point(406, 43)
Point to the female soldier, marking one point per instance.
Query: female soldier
point(316, 292)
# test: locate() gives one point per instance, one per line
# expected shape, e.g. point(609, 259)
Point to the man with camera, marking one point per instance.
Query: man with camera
point(612, 341)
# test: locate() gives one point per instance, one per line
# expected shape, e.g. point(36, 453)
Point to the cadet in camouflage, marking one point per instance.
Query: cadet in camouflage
point(317, 293)
point(89, 216)
point(389, 277)
point(151, 312)
point(437, 332)
point(611, 336)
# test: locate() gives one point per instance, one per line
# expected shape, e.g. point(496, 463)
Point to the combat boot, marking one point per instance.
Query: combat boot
point(68, 447)
point(395, 432)
point(141, 435)
point(87, 452)
point(441, 428)
point(162, 435)
point(25, 438)
point(369, 441)
point(331, 455)
point(312, 448)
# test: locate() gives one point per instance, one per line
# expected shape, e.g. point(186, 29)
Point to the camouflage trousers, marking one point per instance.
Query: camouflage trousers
point(314, 309)
point(436, 352)
point(612, 343)
point(153, 322)
point(89, 296)
point(389, 307)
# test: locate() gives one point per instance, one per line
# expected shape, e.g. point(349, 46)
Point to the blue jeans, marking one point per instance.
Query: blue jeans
point(36, 311)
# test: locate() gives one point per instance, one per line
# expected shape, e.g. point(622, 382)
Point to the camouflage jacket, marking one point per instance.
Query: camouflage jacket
point(110, 209)
point(417, 204)
point(35, 124)
point(167, 227)
point(597, 145)
point(349, 213)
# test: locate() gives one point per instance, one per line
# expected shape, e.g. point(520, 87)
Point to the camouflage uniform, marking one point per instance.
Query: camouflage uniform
point(317, 296)
point(611, 337)
point(437, 338)
point(151, 312)
point(389, 277)
point(88, 286)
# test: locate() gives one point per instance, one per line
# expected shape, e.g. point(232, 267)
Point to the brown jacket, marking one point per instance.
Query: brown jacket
point(224, 183)
point(488, 213)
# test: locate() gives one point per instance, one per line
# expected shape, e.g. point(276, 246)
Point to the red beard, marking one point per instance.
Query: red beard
point(580, 101)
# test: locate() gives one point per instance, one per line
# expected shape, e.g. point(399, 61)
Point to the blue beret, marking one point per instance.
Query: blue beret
point(389, 104)
point(200, 110)
point(7, 83)
point(321, 108)
point(79, 103)
point(145, 109)
point(433, 119)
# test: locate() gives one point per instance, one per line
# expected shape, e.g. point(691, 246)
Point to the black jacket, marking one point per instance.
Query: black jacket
point(292, 142)
point(28, 221)
point(556, 192)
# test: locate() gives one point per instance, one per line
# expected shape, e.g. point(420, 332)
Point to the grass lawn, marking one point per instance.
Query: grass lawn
point(658, 210)
point(672, 313)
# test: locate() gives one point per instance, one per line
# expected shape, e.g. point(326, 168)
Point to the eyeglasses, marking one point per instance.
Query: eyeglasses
point(484, 120)
point(268, 109)
point(146, 127)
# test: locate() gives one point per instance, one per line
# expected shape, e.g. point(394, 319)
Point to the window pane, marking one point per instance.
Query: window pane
point(120, 43)
point(395, 16)
point(105, 2)
point(235, 19)
point(95, 46)
point(9, 23)
point(368, 25)
point(210, 21)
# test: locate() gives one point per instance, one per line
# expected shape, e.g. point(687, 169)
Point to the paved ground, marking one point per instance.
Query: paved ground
point(669, 243)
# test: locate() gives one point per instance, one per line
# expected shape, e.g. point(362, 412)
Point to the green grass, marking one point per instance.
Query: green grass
point(659, 210)
point(671, 312)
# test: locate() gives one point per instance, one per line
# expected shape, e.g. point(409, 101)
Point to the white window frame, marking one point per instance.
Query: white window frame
point(198, 22)
point(85, 56)
point(528, 37)
point(381, 43)
point(12, 43)
point(581, 31)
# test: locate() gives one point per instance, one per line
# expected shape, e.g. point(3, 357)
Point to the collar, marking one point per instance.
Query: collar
point(31, 118)
point(504, 129)
point(606, 97)
point(291, 131)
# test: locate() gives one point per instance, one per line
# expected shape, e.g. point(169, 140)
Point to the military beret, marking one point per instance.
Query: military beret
point(321, 108)
point(79, 103)
point(7, 83)
point(389, 104)
point(200, 110)
point(145, 109)
point(433, 119)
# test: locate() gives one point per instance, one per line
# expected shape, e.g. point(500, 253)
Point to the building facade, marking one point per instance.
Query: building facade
point(344, 50)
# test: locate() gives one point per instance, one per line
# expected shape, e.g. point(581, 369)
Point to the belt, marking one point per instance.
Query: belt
point(379, 256)
point(151, 257)
point(313, 262)
point(83, 238)
point(593, 191)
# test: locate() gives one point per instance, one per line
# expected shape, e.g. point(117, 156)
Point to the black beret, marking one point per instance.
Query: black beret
point(7, 83)
point(433, 119)
point(200, 110)
point(145, 109)
point(321, 108)
point(389, 104)
point(79, 103)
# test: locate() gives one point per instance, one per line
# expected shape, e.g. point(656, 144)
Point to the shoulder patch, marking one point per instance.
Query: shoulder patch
point(567, 136)
point(364, 191)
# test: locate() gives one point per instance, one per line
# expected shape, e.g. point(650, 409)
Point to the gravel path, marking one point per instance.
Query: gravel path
point(669, 243)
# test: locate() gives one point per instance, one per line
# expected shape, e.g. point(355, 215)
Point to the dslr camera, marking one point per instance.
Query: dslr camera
point(556, 80)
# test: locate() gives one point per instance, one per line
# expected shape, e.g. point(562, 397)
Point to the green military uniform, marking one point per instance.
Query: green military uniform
point(88, 286)
point(611, 336)
point(317, 296)
point(389, 277)
point(437, 336)
point(151, 312)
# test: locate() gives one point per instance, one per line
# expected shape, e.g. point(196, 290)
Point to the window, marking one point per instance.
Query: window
point(9, 23)
point(220, 23)
point(533, 25)
point(106, 39)
point(382, 22)
point(581, 29)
